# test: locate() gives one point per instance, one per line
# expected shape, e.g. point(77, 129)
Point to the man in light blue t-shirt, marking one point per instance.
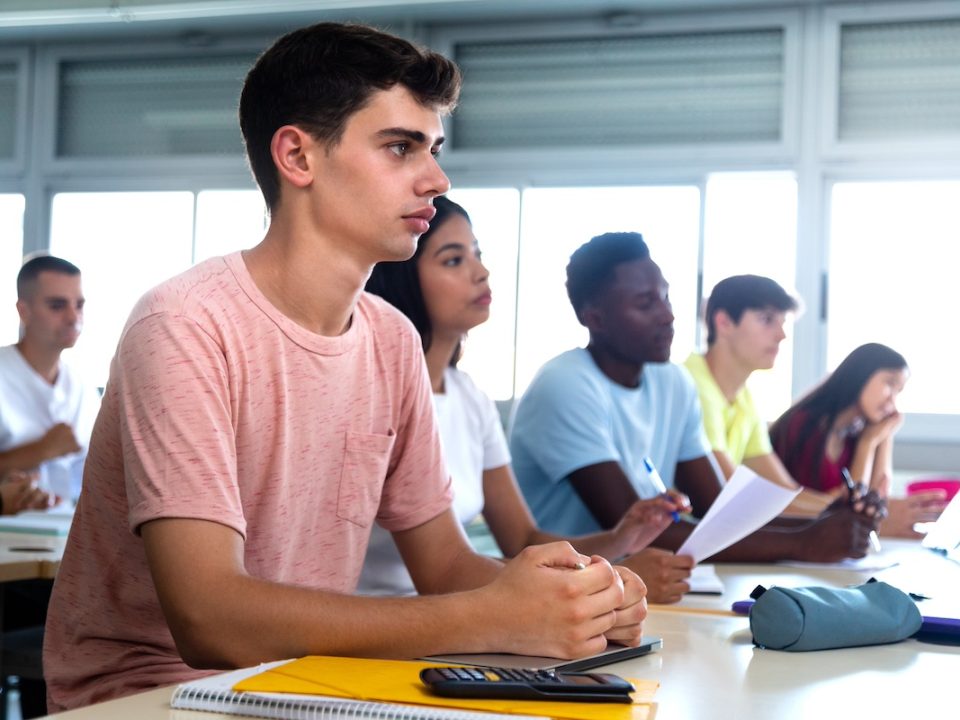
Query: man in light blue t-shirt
point(658, 419)
point(583, 428)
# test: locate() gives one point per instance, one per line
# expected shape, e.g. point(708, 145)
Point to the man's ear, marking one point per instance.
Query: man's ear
point(591, 317)
point(23, 310)
point(722, 321)
point(290, 149)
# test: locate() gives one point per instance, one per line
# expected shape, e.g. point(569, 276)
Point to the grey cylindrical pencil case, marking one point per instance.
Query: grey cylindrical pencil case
point(820, 618)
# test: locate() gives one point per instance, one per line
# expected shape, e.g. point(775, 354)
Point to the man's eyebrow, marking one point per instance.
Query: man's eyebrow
point(412, 135)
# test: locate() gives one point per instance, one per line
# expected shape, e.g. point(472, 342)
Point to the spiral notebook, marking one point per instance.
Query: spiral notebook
point(216, 694)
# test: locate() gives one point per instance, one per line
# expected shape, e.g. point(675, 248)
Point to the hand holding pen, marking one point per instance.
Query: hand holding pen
point(644, 520)
point(678, 501)
point(866, 502)
point(863, 500)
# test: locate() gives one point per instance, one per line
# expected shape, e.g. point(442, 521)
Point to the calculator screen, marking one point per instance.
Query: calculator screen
point(581, 680)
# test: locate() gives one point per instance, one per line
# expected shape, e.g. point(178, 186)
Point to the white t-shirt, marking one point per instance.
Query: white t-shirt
point(30, 406)
point(473, 441)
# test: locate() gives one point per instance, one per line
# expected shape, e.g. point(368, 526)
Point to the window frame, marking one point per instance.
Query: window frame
point(16, 165)
point(49, 63)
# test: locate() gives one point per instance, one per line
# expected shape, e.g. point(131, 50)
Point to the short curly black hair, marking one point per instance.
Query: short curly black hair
point(591, 267)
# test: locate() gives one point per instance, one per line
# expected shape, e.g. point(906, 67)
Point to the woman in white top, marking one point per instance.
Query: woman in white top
point(443, 289)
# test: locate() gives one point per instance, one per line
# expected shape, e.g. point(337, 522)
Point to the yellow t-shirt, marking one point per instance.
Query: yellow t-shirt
point(736, 428)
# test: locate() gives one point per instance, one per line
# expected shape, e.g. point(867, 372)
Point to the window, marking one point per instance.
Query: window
point(489, 353)
point(750, 226)
point(126, 243)
point(697, 87)
point(11, 256)
point(161, 106)
point(9, 106)
point(894, 254)
point(227, 221)
point(899, 80)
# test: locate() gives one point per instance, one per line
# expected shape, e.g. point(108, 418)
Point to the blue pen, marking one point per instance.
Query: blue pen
point(658, 483)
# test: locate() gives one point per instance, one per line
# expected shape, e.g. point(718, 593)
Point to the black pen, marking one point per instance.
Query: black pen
point(852, 489)
point(851, 485)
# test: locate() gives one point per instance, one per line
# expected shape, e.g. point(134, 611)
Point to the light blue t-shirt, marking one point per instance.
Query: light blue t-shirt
point(573, 416)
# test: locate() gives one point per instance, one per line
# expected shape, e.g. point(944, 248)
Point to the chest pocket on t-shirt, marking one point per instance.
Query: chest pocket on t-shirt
point(365, 461)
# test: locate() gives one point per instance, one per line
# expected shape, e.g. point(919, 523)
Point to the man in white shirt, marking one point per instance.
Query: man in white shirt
point(46, 411)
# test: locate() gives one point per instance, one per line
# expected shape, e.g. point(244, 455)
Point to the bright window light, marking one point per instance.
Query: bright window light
point(750, 227)
point(489, 353)
point(11, 255)
point(227, 221)
point(124, 244)
point(894, 254)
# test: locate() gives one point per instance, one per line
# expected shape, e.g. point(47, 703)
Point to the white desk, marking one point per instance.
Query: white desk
point(916, 570)
point(708, 667)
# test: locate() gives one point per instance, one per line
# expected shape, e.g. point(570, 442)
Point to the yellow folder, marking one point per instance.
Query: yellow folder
point(399, 681)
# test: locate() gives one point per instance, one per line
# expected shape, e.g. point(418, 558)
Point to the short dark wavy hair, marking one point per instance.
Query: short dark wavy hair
point(317, 77)
point(739, 293)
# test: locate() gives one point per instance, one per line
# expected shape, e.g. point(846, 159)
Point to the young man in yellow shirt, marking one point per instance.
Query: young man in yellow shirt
point(745, 318)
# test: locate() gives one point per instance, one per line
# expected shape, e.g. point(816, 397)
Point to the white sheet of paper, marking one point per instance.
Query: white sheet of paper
point(746, 503)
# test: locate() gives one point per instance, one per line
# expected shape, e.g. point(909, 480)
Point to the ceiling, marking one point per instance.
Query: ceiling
point(25, 19)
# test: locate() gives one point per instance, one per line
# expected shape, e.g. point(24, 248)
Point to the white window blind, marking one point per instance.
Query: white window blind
point(150, 106)
point(899, 80)
point(708, 87)
point(8, 109)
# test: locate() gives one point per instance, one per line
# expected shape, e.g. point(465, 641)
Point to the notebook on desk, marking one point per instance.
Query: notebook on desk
point(217, 694)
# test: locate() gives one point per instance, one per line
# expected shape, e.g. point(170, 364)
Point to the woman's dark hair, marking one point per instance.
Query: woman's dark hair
point(399, 283)
point(840, 390)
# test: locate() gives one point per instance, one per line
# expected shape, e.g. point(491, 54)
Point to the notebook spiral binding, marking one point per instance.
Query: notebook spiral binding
point(318, 708)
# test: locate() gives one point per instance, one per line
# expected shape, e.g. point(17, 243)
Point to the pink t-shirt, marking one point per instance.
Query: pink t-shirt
point(221, 408)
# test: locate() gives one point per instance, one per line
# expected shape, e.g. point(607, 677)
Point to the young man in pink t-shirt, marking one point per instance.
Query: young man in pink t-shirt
point(262, 412)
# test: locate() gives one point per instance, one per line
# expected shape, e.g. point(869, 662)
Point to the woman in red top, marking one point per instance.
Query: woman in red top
point(849, 421)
